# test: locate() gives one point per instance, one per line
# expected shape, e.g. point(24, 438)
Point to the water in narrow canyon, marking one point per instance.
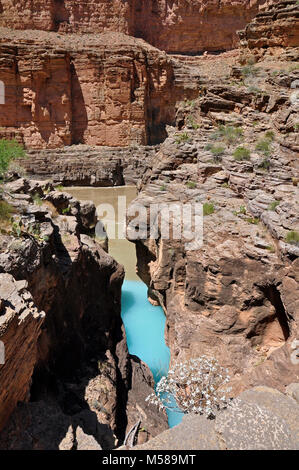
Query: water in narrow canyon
point(144, 323)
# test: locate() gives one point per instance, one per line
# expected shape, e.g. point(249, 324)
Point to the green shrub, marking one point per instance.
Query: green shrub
point(265, 164)
point(264, 146)
point(37, 200)
point(9, 150)
point(191, 122)
point(270, 135)
point(292, 237)
point(208, 208)
point(249, 71)
point(191, 184)
point(184, 137)
point(241, 153)
point(217, 150)
point(228, 134)
point(163, 187)
point(253, 220)
point(273, 205)
point(6, 211)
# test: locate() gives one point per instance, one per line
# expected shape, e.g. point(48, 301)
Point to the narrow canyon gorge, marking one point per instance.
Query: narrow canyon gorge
point(166, 103)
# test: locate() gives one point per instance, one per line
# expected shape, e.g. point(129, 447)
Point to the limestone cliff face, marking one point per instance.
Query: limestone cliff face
point(60, 323)
point(236, 297)
point(113, 91)
point(277, 25)
point(171, 25)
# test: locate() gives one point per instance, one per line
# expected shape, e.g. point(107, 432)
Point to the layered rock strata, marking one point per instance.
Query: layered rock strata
point(71, 359)
point(235, 298)
point(89, 166)
point(276, 26)
point(99, 90)
point(180, 26)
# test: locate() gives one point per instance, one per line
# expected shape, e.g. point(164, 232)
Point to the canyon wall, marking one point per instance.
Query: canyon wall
point(274, 27)
point(181, 26)
point(113, 91)
point(67, 377)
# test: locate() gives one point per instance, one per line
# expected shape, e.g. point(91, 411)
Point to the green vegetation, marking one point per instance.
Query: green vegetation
point(253, 220)
point(163, 187)
point(191, 122)
point(273, 205)
point(241, 211)
point(180, 138)
point(228, 134)
point(59, 188)
point(292, 237)
point(208, 208)
point(217, 150)
point(6, 211)
point(265, 164)
point(191, 184)
point(270, 135)
point(9, 151)
point(270, 248)
point(249, 71)
point(66, 210)
point(241, 153)
point(37, 200)
point(264, 144)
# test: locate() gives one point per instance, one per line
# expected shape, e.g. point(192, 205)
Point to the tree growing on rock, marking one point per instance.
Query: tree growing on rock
point(193, 386)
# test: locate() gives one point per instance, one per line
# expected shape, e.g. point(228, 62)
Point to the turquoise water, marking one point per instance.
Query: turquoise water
point(145, 325)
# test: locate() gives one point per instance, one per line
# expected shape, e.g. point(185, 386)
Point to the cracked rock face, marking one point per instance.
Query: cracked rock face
point(20, 329)
point(259, 419)
point(66, 357)
point(235, 298)
point(175, 26)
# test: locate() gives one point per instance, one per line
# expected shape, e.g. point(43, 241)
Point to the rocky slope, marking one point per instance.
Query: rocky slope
point(273, 419)
point(235, 298)
point(60, 324)
point(182, 26)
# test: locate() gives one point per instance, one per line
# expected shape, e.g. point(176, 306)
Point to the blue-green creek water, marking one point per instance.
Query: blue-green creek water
point(144, 323)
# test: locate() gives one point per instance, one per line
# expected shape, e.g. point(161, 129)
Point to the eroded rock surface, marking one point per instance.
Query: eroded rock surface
point(173, 26)
point(259, 419)
point(235, 298)
point(75, 371)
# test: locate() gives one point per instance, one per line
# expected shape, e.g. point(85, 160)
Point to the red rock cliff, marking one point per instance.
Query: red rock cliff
point(105, 90)
point(171, 25)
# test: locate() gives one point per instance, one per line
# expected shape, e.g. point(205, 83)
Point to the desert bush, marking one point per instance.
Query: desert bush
point(208, 208)
point(273, 205)
point(228, 134)
point(6, 211)
point(191, 184)
point(9, 151)
point(292, 237)
point(241, 153)
point(193, 386)
point(180, 138)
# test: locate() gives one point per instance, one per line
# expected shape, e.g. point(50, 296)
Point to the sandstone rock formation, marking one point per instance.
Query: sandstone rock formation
point(78, 362)
point(100, 90)
point(235, 298)
point(273, 419)
point(273, 30)
point(19, 319)
point(181, 26)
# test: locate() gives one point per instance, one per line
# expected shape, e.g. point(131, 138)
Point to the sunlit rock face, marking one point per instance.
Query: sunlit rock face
point(171, 25)
point(107, 90)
